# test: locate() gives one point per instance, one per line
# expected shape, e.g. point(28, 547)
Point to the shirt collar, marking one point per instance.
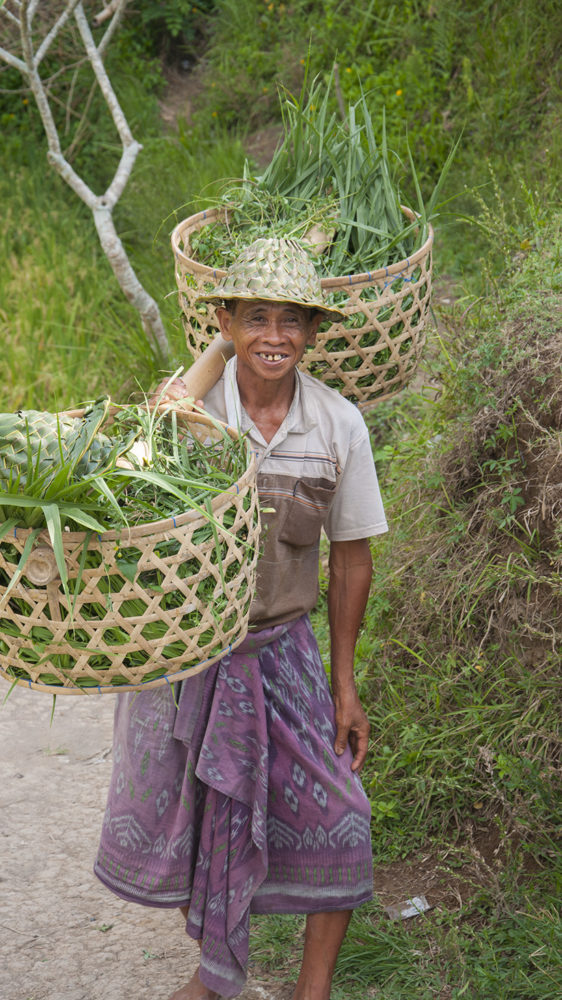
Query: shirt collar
point(300, 419)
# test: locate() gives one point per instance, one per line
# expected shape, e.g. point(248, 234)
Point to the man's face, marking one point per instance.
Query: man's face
point(269, 337)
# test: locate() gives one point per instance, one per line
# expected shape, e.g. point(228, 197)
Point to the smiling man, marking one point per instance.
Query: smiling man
point(245, 796)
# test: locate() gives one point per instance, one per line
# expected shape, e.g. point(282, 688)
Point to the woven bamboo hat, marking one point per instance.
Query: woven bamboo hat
point(274, 270)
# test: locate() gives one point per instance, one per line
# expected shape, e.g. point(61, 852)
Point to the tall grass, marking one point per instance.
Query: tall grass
point(459, 660)
point(67, 333)
point(63, 326)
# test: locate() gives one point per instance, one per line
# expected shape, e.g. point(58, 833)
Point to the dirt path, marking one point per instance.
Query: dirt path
point(62, 935)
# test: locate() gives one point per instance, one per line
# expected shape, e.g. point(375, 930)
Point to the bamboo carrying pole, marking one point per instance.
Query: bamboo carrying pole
point(208, 368)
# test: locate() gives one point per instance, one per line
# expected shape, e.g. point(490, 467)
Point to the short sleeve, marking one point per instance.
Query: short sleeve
point(357, 510)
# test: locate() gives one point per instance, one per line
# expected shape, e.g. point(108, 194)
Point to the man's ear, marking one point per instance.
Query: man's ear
point(313, 325)
point(224, 318)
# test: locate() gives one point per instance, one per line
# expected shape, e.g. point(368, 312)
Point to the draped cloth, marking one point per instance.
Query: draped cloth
point(229, 798)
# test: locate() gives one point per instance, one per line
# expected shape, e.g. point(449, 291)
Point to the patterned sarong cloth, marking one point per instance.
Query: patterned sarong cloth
point(234, 801)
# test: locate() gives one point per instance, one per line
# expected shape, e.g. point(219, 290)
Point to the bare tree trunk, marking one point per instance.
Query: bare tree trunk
point(128, 281)
point(20, 14)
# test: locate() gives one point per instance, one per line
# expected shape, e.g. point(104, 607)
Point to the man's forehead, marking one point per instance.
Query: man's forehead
point(268, 304)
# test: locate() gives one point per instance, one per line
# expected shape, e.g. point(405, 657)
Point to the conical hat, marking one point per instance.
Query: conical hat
point(275, 270)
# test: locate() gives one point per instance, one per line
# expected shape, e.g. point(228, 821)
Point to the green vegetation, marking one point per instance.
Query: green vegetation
point(459, 657)
point(327, 174)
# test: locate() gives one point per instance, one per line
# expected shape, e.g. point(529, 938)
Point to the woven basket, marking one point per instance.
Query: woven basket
point(368, 358)
point(197, 612)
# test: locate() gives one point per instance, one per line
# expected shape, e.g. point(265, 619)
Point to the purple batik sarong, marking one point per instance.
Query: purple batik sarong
point(234, 800)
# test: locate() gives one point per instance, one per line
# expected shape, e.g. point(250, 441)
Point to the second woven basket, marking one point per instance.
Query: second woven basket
point(370, 356)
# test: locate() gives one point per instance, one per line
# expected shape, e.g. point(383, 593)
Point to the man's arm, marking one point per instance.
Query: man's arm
point(351, 570)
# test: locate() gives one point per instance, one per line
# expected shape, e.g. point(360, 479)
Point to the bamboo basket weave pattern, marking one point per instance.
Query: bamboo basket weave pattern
point(199, 608)
point(370, 356)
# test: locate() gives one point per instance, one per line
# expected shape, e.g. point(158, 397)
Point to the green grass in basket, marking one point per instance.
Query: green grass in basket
point(327, 173)
point(86, 488)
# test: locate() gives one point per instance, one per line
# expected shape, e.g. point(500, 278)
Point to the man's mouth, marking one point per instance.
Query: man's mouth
point(271, 357)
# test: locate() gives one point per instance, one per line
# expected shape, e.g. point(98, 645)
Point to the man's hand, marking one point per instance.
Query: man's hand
point(173, 392)
point(168, 391)
point(352, 726)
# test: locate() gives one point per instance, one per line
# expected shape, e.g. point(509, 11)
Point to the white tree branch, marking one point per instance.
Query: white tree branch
point(101, 207)
point(130, 285)
point(103, 80)
point(112, 26)
point(106, 13)
point(31, 9)
point(52, 34)
point(71, 178)
point(13, 61)
point(122, 174)
point(25, 35)
point(9, 15)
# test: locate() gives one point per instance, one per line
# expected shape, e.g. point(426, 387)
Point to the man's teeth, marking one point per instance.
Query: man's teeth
point(273, 357)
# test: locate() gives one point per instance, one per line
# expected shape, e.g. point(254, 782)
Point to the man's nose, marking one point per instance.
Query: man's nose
point(274, 329)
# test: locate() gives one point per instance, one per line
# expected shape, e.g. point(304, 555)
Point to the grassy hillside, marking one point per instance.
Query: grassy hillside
point(459, 661)
point(488, 71)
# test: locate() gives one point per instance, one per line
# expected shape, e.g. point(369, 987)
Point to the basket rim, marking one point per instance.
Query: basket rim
point(214, 215)
point(126, 533)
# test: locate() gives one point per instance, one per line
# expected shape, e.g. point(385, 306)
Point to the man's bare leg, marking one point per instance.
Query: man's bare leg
point(194, 989)
point(322, 941)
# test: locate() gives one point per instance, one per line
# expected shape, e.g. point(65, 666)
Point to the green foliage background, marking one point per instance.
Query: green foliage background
point(459, 658)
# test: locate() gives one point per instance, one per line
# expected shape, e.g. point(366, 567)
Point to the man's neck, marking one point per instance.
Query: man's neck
point(266, 403)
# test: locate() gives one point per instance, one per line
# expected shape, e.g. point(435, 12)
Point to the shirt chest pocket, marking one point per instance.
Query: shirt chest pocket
point(301, 507)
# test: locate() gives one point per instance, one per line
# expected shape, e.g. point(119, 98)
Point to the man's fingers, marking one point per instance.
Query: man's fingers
point(342, 738)
point(167, 391)
point(359, 745)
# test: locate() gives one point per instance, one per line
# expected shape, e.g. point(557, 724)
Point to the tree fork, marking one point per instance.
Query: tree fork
point(100, 206)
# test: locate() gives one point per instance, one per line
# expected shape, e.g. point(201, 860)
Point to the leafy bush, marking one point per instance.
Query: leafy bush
point(466, 622)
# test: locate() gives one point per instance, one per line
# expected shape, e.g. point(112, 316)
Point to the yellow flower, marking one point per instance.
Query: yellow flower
point(478, 667)
point(399, 93)
point(348, 69)
point(214, 114)
point(478, 805)
point(25, 100)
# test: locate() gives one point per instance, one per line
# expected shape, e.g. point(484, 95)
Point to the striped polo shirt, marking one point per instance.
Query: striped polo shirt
point(316, 473)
